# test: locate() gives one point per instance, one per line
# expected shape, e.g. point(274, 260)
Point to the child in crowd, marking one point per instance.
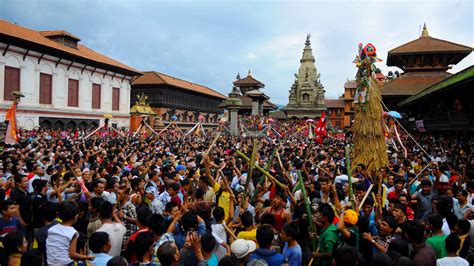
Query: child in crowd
point(292, 250)
point(61, 243)
point(99, 244)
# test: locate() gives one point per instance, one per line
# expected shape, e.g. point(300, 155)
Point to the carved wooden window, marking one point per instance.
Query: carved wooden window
point(46, 88)
point(12, 82)
point(73, 93)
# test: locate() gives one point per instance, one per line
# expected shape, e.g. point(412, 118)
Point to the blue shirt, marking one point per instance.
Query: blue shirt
point(180, 237)
point(101, 259)
point(268, 255)
point(293, 255)
point(9, 226)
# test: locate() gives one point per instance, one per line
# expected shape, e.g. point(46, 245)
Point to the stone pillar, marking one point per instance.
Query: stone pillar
point(234, 131)
point(260, 107)
point(255, 106)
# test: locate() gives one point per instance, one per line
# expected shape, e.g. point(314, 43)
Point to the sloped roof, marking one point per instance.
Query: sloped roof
point(247, 103)
point(15, 32)
point(465, 74)
point(248, 81)
point(411, 83)
point(153, 77)
point(50, 33)
point(334, 103)
point(429, 45)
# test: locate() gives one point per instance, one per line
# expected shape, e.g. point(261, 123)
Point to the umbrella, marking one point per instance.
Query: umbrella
point(174, 118)
point(309, 120)
point(394, 114)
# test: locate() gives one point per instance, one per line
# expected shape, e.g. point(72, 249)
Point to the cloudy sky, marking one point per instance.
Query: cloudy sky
point(209, 42)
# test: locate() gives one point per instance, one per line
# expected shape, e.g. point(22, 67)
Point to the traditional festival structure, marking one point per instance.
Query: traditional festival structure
point(369, 141)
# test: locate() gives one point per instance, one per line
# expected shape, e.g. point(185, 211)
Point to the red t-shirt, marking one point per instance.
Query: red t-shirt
point(177, 200)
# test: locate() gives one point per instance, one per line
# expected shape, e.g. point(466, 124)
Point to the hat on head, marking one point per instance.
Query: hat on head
point(241, 247)
point(351, 217)
point(180, 167)
point(85, 170)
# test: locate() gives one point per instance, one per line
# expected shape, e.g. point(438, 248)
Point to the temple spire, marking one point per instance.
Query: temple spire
point(249, 74)
point(308, 42)
point(424, 33)
point(238, 76)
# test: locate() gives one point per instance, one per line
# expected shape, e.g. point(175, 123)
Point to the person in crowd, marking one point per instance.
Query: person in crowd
point(437, 238)
point(15, 245)
point(112, 226)
point(61, 242)
point(452, 244)
point(8, 221)
point(99, 245)
point(292, 250)
point(265, 236)
point(242, 249)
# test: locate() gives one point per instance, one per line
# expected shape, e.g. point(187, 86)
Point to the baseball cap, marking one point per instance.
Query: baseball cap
point(351, 217)
point(180, 167)
point(241, 247)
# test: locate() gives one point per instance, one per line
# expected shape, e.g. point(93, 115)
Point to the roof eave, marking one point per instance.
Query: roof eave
point(65, 55)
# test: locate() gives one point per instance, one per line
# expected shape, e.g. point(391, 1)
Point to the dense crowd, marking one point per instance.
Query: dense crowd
point(115, 200)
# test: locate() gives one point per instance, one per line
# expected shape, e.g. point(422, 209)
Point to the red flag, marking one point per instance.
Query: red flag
point(320, 129)
point(10, 136)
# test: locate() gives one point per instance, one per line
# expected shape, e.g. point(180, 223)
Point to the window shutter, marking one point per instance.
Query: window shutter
point(12, 82)
point(115, 99)
point(73, 93)
point(95, 96)
point(46, 87)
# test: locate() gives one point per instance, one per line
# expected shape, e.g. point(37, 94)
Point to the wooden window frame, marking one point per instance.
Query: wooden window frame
point(116, 102)
point(7, 96)
point(43, 93)
point(96, 104)
point(70, 102)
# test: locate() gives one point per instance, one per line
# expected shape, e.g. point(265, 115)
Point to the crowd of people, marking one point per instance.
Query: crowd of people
point(169, 200)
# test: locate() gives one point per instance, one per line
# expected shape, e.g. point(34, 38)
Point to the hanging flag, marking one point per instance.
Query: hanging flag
point(10, 136)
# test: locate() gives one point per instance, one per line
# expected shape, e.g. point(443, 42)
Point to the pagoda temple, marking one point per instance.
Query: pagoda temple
point(254, 101)
point(306, 99)
point(424, 62)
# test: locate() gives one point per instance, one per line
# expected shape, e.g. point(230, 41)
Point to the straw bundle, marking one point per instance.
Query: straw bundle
point(369, 141)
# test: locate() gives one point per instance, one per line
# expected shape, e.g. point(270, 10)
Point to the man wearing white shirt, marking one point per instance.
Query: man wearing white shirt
point(452, 244)
point(115, 230)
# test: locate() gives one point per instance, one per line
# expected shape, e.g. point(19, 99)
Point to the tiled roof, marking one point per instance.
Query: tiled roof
point(153, 77)
point(50, 33)
point(412, 83)
point(454, 80)
point(38, 38)
point(334, 103)
point(429, 45)
point(248, 81)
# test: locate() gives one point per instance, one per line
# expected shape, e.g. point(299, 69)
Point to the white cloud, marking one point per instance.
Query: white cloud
point(251, 56)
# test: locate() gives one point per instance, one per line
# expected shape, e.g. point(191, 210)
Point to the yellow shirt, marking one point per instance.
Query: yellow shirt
point(224, 200)
point(248, 235)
